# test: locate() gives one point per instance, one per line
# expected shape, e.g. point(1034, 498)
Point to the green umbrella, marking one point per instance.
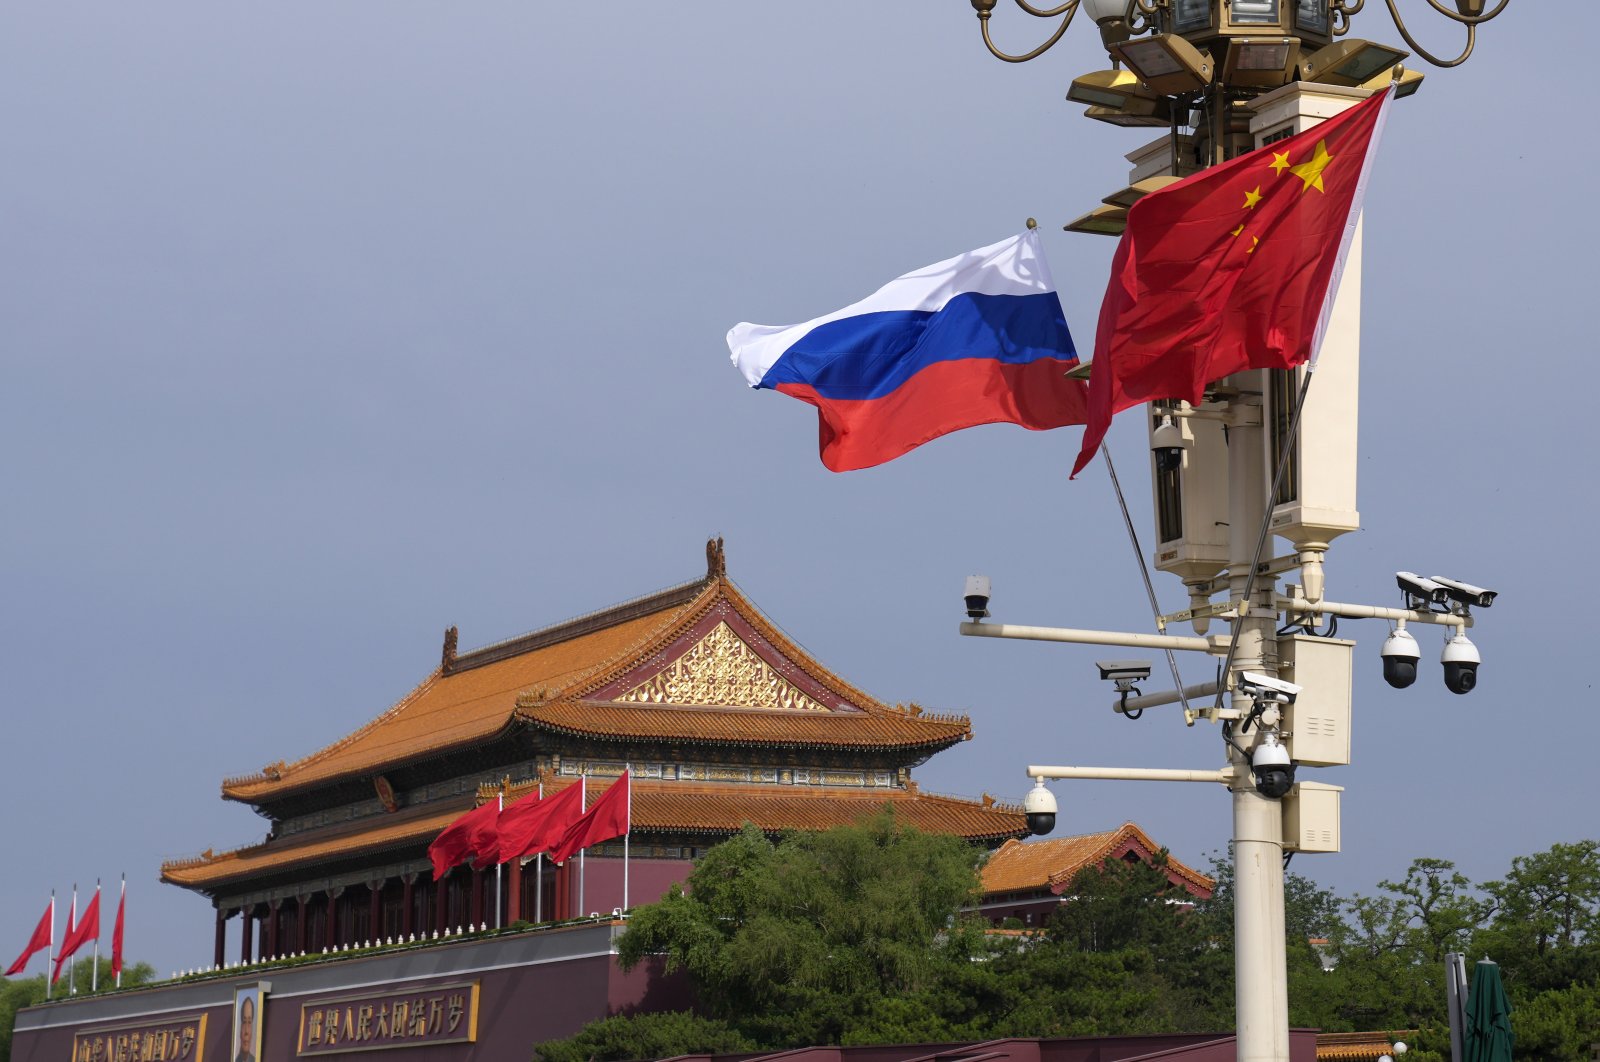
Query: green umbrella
point(1489, 1036)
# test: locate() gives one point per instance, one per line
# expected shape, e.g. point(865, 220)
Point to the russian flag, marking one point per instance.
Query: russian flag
point(975, 339)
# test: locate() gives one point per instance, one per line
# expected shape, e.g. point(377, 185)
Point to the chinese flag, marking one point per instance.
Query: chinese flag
point(87, 929)
point(471, 833)
point(36, 943)
point(1233, 268)
point(533, 825)
point(116, 933)
point(610, 817)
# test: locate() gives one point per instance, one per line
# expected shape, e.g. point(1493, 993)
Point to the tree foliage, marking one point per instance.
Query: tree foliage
point(859, 935)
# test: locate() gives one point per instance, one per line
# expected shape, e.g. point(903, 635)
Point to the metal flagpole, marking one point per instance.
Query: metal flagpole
point(50, 946)
point(94, 969)
point(627, 771)
point(583, 802)
point(500, 800)
point(121, 897)
point(72, 960)
point(538, 875)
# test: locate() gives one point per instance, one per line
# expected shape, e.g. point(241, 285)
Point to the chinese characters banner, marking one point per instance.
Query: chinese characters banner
point(172, 1040)
point(430, 1014)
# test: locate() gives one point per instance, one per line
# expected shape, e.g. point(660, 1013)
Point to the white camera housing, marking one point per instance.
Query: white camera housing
point(1039, 807)
point(1265, 687)
point(976, 593)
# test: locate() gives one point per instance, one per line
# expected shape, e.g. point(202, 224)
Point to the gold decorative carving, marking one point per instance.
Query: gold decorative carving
point(721, 670)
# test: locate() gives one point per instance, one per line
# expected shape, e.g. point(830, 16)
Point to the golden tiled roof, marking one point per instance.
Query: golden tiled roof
point(358, 838)
point(1359, 1046)
point(658, 807)
point(547, 679)
point(1037, 866)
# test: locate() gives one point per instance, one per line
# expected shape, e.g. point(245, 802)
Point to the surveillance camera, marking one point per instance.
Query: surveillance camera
point(1168, 443)
point(1465, 593)
point(1273, 768)
point(1460, 660)
point(977, 595)
point(1266, 688)
point(1125, 673)
point(1039, 806)
point(1400, 656)
point(1421, 591)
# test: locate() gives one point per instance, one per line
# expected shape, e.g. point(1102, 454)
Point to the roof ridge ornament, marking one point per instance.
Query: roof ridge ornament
point(716, 559)
point(447, 658)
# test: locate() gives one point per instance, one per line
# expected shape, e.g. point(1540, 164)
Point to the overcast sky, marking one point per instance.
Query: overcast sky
point(325, 327)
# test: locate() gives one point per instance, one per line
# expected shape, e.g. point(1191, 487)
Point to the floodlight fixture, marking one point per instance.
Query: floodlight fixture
point(1406, 83)
point(1350, 62)
point(1101, 221)
point(1104, 88)
point(1138, 190)
point(1137, 112)
point(1167, 64)
point(1261, 62)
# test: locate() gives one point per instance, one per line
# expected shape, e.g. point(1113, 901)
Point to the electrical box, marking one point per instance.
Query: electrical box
point(1191, 498)
point(1319, 720)
point(1311, 818)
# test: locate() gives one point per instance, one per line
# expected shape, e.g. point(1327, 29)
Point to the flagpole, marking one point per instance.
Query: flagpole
point(94, 969)
point(72, 960)
point(627, 771)
point(500, 799)
point(50, 946)
point(116, 944)
point(583, 802)
point(538, 875)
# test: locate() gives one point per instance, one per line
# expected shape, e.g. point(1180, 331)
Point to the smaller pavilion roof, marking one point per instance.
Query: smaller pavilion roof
point(1049, 866)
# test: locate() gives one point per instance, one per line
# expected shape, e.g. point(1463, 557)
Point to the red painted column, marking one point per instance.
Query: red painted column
point(375, 912)
point(475, 900)
point(514, 893)
point(271, 950)
point(406, 903)
point(222, 937)
point(330, 931)
point(441, 903)
point(245, 938)
point(300, 921)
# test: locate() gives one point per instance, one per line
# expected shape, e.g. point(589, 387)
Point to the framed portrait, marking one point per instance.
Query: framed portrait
point(249, 1007)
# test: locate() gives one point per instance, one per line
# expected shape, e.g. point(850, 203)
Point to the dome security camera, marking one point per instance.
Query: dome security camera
point(1273, 768)
point(1400, 655)
point(1039, 806)
point(1460, 659)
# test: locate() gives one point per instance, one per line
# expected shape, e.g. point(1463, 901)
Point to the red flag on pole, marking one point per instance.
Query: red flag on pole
point(116, 933)
point(467, 835)
point(533, 825)
point(1233, 268)
point(36, 943)
point(608, 818)
point(86, 930)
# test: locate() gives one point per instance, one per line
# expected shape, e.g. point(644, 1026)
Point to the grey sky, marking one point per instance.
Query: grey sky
point(326, 326)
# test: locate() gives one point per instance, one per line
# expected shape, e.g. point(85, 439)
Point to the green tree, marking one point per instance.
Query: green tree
point(1543, 932)
point(662, 1035)
point(829, 937)
point(27, 991)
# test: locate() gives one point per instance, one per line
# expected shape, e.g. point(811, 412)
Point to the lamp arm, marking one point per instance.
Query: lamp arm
point(1052, 13)
point(1456, 16)
point(983, 20)
point(1472, 36)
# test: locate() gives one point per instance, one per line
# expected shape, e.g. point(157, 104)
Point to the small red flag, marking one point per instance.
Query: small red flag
point(1233, 268)
point(36, 943)
point(610, 817)
point(469, 834)
point(116, 933)
point(86, 930)
point(533, 825)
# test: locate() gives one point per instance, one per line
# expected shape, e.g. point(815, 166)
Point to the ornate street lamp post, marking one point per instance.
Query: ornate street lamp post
point(1222, 77)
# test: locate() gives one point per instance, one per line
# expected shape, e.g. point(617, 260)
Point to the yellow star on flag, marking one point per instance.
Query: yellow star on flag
point(1255, 242)
point(1311, 172)
point(1236, 231)
point(1252, 198)
point(1280, 162)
